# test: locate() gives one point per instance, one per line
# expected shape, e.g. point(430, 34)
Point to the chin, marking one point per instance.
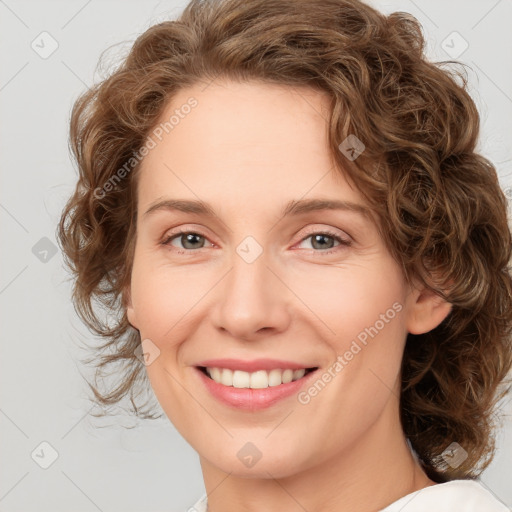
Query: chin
point(268, 461)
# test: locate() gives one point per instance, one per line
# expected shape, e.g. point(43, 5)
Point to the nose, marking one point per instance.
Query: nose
point(252, 301)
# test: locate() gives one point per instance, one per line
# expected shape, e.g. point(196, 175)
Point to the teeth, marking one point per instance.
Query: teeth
point(274, 377)
point(226, 377)
point(287, 376)
point(241, 379)
point(256, 380)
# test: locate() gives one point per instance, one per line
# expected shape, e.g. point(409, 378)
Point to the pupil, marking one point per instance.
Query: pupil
point(319, 238)
point(189, 238)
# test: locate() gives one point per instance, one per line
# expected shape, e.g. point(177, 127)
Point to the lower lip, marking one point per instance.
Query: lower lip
point(252, 399)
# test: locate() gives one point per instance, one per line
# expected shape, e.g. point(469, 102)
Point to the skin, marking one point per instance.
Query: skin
point(247, 149)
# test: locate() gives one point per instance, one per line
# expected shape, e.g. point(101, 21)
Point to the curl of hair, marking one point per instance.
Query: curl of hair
point(439, 205)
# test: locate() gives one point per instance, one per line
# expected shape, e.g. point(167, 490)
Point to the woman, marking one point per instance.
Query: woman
point(283, 203)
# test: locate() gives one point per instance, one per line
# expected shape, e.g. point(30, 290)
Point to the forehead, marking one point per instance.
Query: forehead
point(245, 142)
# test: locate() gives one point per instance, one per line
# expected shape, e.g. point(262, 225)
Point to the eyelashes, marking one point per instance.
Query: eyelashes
point(188, 236)
point(180, 234)
point(327, 234)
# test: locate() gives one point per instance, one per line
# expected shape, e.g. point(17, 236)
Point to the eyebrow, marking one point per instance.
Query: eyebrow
point(293, 207)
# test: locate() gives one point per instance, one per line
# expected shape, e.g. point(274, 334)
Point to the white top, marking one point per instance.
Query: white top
point(456, 495)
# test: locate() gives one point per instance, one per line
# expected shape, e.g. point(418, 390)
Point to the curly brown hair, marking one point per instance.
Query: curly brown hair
point(442, 212)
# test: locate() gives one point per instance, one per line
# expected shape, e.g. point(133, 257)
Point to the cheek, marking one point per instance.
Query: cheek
point(364, 309)
point(361, 310)
point(164, 297)
point(350, 303)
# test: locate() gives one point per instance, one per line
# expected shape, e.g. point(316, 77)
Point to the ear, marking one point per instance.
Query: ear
point(127, 304)
point(427, 311)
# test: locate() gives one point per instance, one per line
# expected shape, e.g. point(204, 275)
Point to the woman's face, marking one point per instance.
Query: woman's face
point(310, 288)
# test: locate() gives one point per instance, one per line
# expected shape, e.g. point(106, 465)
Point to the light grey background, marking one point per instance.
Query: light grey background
point(42, 396)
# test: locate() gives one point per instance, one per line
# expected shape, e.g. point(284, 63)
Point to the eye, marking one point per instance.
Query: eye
point(324, 241)
point(190, 240)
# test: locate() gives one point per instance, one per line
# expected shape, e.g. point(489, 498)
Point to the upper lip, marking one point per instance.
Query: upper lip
point(253, 365)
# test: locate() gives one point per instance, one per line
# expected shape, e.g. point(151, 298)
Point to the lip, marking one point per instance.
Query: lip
point(254, 365)
point(253, 399)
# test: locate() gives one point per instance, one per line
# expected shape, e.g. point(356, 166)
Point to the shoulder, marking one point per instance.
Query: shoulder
point(200, 505)
point(460, 495)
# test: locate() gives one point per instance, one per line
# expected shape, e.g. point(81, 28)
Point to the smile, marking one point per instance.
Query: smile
point(253, 388)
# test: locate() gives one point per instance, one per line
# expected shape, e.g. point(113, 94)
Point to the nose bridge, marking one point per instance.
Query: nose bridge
point(251, 297)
